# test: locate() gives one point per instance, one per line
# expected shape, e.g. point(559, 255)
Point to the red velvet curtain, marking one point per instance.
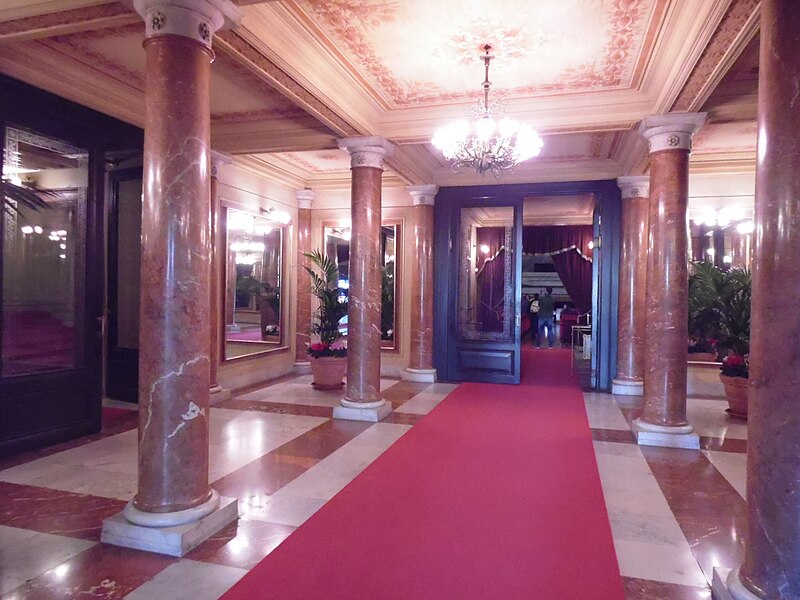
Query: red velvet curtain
point(491, 276)
point(568, 245)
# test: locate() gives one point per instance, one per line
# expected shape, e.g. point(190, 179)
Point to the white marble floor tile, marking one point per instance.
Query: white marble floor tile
point(659, 562)
point(708, 417)
point(603, 412)
point(440, 388)
point(189, 580)
point(732, 466)
point(285, 509)
point(25, 554)
point(302, 497)
point(704, 382)
point(422, 403)
point(647, 537)
point(108, 467)
point(301, 392)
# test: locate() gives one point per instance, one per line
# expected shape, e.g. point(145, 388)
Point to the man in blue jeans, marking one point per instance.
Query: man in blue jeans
point(546, 313)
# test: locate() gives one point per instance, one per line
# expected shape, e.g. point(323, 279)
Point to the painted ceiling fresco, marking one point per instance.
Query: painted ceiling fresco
point(419, 52)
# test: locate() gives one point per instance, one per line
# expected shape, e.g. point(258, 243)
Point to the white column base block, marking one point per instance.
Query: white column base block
point(627, 387)
point(219, 394)
point(302, 368)
point(668, 437)
point(726, 585)
point(173, 541)
point(420, 375)
point(370, 411)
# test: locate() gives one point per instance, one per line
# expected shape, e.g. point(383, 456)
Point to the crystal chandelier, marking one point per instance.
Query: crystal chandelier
point(495, 147)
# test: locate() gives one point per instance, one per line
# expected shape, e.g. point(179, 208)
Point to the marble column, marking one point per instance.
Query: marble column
point(741, 250)
point(420, 362)
point(302, 336)
point(632, 281)
point(362, 400)
point(174, 507)
point(771, 567)
point(216, 284)
point(663, 421)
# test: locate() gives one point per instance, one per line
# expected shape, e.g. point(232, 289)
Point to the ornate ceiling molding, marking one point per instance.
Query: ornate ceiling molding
point(67, 22)
point(735, 31)
point(235, 47)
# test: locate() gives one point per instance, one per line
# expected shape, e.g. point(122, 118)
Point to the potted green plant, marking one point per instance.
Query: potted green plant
point(734, 312)
point(705, 283)
point(329, 350)
point(734, 376)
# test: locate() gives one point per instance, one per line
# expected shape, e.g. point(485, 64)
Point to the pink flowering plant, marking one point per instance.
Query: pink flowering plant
point(337, 349)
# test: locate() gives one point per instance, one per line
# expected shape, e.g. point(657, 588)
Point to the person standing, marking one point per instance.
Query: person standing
point(546, 322)
point(533, 315)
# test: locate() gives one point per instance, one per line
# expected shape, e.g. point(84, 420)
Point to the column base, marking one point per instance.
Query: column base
point(726, 585)
point(219, 394)
point(302, 367)
point(681, 436)
point(420, 375)
point(175, 540)
point(362, 411)
point(627, 387)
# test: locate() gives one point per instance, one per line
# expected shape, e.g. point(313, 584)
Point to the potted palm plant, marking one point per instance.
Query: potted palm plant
point(328, 352)
point(705, 283)
point(734, 311)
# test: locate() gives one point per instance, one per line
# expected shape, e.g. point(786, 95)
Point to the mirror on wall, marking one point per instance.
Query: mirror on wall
point(337, 244)
point(253, 284)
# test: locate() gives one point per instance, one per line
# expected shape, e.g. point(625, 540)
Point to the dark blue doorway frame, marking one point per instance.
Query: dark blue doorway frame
point(605, 272)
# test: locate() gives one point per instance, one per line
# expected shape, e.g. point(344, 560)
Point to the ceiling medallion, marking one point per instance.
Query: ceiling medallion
point(493, 147)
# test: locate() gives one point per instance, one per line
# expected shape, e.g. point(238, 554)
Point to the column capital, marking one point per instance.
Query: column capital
point(671, 132)
point(635, 186)
point(219, 160)
point(197, 20)
point(305, 198)
point(367, 151)
point(422, 194)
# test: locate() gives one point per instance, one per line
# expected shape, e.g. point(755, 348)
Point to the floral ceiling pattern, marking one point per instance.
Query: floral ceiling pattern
point(418, 52)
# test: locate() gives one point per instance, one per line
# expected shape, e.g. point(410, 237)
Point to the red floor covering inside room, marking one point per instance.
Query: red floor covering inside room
point(494, 494)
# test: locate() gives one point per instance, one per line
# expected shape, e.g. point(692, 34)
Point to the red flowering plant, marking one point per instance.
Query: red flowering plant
point(735, 366)
point(337, 349)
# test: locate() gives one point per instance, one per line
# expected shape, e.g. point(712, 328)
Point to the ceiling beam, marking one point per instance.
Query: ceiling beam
point(66, 22)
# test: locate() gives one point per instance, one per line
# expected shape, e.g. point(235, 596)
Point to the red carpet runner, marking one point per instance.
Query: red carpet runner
point(495, 494)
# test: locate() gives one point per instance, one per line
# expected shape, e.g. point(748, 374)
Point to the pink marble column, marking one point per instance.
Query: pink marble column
point(772, 546)
point(174, 338)
point(741, 249)
point(362, 399)
point(420, 363)
point(302, 336)
point(632, 281)
point(216, 286)
point(663, 421)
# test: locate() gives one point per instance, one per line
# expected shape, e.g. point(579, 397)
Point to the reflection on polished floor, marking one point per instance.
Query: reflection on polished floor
point(674, 514)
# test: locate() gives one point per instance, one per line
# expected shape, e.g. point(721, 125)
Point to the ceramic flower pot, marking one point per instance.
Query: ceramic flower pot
point(736, 391)
point(328, 372)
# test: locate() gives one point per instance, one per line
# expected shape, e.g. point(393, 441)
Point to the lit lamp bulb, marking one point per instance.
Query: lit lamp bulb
point(745, 227)
point(485, 248)
point(484, 129)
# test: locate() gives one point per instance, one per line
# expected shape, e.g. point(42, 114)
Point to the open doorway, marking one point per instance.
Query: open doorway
point(557, 276)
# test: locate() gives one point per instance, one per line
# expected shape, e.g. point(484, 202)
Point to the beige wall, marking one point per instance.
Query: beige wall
point(241, 189)
point(334, 205)
point(245, 190)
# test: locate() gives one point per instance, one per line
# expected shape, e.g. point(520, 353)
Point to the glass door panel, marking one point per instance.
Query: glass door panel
point(486, 280)
point(45, 183)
